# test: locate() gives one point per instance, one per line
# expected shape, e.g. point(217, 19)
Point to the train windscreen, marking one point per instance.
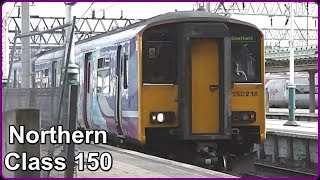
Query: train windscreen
point(159, 55)
point(245, 54)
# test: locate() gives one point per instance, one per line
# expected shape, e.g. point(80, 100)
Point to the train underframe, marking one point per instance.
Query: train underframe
point(234, 154)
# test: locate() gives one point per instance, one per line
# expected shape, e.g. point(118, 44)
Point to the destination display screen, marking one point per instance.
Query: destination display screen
point(245, 54)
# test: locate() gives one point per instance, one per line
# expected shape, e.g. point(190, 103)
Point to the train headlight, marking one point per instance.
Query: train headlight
point(243, 116)
point(162, 117)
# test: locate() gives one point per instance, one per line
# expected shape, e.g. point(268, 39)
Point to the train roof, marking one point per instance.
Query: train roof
point(175, 17)
point(171, 17)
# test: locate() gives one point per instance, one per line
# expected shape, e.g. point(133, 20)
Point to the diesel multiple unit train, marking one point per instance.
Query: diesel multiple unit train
point(181, 81)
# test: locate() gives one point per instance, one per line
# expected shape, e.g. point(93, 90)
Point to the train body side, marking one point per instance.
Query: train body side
point(112, 107)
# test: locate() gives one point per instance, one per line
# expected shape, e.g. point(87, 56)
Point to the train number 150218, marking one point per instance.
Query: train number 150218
point(245, 93)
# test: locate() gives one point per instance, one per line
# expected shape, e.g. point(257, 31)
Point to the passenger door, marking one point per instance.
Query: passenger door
point(87, 89)
point(204, 80)
point(118, 92)
point(205, 86)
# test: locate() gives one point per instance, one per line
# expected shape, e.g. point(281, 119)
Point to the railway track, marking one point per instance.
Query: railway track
point(264, 170)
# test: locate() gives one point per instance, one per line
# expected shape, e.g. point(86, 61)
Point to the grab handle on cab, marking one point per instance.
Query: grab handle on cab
point(213, 88)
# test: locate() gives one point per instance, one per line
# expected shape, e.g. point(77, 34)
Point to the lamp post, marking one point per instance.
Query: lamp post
point(292, 87)
point(25, 46)
point(71, 77)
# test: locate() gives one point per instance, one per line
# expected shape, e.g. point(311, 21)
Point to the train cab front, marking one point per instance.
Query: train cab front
point(186, 80)
point(188, 95)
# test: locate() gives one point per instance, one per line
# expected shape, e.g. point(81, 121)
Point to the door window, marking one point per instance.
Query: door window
point(103, 75)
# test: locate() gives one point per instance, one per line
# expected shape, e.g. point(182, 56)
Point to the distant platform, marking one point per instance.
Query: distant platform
point(300, 114)
point(133, 164)
point(286, 110)
point(306, 130)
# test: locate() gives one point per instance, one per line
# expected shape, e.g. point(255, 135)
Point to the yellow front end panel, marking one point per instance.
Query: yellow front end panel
point(158, 98)
point(249, 98)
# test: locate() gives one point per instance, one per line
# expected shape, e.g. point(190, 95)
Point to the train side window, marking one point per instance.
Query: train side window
point(87, 71)
point(4, 83)
point(19, 78)
point(54, 74)
point(38, 79)
point(119, 52)
point(46, 72)
point(33, 67)
point(103, 62)
point(89, 77)
point(103, 75)
point(100, 63)
point(15, 78)
point(125, 71)
point(45, 78)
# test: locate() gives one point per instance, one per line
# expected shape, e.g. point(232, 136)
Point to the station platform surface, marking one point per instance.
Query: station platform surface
point(128, 163)
point(297, 111)
point(306, 129)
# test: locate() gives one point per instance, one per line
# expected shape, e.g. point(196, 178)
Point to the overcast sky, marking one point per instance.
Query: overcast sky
point(132, 10)
point(112, 9)
point(141, 10)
